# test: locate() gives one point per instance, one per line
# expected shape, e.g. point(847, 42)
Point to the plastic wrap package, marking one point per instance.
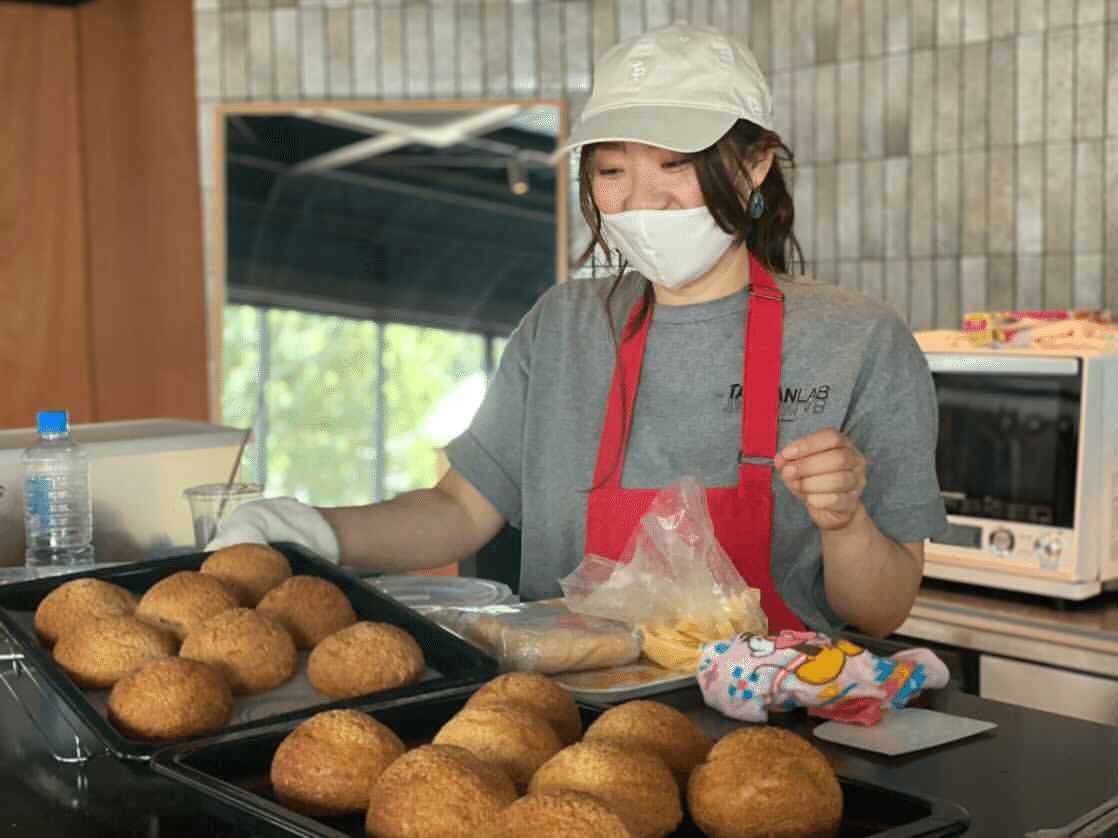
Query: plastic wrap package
point(674, 581)
point(745, 677)
point(543, 636)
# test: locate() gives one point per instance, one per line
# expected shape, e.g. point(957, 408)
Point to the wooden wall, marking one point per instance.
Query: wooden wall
point(102, 296)
point(44, 323)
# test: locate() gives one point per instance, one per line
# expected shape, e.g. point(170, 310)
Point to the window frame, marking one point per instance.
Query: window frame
point(216, 215)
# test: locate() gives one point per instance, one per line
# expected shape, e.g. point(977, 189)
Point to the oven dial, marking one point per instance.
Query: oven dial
point(1047, 550)
point(1001, 543)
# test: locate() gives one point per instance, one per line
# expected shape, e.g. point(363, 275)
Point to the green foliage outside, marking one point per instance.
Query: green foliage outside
point(320, 398)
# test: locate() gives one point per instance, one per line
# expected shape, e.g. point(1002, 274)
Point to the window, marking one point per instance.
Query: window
point(348, 411)
point(373, 260)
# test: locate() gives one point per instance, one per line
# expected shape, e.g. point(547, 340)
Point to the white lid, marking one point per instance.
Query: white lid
point(426, 593)
point(132, 436)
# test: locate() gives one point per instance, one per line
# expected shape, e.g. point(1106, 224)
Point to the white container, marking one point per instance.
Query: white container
point(139, 469)
point(429, 593)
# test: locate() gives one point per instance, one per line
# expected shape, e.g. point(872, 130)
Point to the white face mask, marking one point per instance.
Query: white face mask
point(670, 247)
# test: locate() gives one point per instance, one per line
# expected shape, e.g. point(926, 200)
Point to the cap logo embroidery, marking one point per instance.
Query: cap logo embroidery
point(637, 70)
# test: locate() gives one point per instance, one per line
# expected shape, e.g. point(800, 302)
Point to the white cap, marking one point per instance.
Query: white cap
point(680, 87)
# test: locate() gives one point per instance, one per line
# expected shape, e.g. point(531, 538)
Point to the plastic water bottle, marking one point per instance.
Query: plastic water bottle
point(58, 509)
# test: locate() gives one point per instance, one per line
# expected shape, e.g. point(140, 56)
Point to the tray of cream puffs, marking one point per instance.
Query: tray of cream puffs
point(519, 755)
point(172, 649)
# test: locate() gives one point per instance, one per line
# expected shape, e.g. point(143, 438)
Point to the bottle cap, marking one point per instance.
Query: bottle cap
point(53, 422)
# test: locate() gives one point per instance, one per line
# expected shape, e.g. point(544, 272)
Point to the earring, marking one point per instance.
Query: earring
point(756, 205)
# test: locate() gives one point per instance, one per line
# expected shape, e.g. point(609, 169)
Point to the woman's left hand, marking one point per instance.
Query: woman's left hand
point(827, 473)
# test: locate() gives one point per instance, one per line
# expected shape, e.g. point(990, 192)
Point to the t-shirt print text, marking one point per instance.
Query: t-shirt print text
point(795, 402)
point(803, 401)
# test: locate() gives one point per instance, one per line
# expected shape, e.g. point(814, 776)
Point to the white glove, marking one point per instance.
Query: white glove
point(278, 519)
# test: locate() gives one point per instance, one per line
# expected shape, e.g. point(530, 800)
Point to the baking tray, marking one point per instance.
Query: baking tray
point(621, 683)
point(452, 664)
point(235, 768)
point(606, 685)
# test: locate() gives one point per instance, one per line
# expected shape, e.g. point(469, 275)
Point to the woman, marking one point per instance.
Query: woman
point(694, 361)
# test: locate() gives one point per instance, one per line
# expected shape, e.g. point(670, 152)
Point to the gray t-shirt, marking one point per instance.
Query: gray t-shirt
point(849, 362)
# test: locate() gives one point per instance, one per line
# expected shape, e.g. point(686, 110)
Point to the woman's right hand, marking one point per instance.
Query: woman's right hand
point(277, 519)
point(827, 473)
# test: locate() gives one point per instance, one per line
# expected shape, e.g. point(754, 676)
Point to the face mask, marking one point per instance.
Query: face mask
point(670, 247)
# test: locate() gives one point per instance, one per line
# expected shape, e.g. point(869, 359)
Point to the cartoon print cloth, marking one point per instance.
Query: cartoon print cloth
point(745, 676)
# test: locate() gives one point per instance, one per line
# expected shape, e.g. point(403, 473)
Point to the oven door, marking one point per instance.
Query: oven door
point(1008, 436)
point(1007, 458)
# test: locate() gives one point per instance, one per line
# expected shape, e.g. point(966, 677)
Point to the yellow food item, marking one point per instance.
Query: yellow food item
point(677, 646)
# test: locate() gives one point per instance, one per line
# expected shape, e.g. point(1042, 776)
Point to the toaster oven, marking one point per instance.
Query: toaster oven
point(1026, 458)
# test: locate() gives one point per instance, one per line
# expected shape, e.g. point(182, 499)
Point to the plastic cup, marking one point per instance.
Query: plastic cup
point(211, 502)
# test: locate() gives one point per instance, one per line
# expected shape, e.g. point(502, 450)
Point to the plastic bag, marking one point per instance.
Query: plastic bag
point(674, 581)
point(543, 636)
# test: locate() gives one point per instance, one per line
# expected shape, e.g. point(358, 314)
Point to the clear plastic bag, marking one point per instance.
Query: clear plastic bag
point(543, 636)
point(674, 581)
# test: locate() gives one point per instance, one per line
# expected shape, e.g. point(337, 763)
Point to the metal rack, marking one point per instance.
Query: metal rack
point(67, 745)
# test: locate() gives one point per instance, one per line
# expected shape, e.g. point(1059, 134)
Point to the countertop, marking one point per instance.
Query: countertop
point(1080, 635)
point(1034, 770)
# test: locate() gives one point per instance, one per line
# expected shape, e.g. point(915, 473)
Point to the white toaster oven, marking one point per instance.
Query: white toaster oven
point(1026, 458)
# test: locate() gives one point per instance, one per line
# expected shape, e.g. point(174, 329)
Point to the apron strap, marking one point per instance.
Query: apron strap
point(761, 369)
point(618, 420)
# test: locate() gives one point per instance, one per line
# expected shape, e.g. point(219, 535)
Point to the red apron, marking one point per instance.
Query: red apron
point(742, 514)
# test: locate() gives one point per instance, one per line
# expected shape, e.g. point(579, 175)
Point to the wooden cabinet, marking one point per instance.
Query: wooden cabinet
point(102, 291)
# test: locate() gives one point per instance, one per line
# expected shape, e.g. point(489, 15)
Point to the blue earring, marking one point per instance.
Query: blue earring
point(756, 205)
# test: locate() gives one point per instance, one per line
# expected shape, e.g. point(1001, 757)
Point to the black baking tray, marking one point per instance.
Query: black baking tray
point(453, 664)
point(235, 768)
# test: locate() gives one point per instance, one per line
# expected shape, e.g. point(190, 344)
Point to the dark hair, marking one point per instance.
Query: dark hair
point(718, 168)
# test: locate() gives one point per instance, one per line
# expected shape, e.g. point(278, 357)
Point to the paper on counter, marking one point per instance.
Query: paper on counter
point(903, 731)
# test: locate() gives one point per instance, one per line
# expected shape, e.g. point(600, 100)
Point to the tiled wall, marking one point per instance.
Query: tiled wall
point(953, 155)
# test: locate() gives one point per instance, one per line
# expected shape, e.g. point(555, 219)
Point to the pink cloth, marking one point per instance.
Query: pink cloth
point(745, 676)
